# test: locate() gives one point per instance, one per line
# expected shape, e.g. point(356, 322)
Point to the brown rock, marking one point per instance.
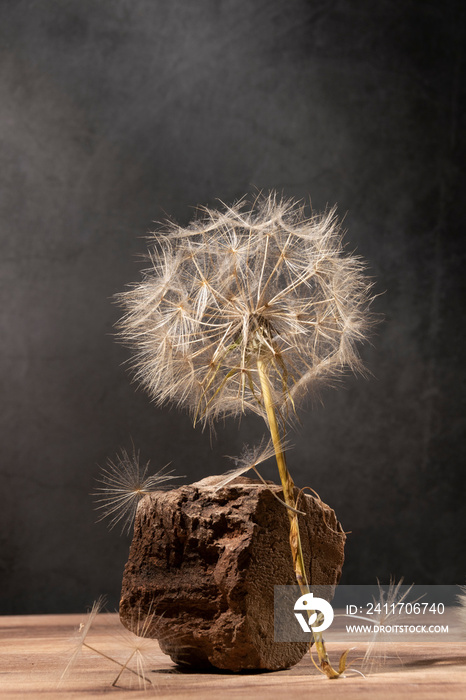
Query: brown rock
point(208, 560)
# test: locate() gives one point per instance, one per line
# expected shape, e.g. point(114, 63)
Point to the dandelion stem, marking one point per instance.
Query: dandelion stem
point(285, 476)
point(288, 494)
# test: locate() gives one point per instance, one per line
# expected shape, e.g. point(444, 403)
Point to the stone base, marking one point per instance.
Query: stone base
point(207, 561)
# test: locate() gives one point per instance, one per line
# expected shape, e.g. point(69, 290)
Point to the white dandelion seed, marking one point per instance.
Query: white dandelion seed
point(249, 459)
point(124, 483)
point(79, 639)
point(381, 645)
point(141, 648)
point(140, 641)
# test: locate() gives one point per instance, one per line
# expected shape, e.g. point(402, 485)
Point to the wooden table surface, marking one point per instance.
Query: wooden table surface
point(34, 651)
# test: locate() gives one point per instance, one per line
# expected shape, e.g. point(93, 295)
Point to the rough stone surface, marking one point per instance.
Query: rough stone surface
point(207, 562)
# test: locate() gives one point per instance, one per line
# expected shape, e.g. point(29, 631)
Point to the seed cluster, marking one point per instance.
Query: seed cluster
point(245, 283)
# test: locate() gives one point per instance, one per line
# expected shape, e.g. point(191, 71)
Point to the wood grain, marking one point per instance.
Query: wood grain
point(34, 651)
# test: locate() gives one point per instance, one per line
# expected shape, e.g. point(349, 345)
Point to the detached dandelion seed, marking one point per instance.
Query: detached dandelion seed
point(381, 643)
point(79, 640)
point(141, 644)
point(124, 483)
point(139, 651)
point(249, 459)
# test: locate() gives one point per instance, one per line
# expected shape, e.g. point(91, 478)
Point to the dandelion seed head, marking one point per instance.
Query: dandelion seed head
point(245, 282)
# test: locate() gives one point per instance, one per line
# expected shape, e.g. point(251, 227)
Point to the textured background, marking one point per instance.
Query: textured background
point(116, 113)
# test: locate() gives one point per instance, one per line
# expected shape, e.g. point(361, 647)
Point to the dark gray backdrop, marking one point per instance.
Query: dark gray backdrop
point(116, 112)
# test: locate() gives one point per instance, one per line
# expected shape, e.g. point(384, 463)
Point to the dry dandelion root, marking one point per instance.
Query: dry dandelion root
point(247, 309)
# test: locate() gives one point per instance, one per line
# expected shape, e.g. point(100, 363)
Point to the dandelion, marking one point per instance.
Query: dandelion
point(124, 483)
point(246, 309)
point(243, 293)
